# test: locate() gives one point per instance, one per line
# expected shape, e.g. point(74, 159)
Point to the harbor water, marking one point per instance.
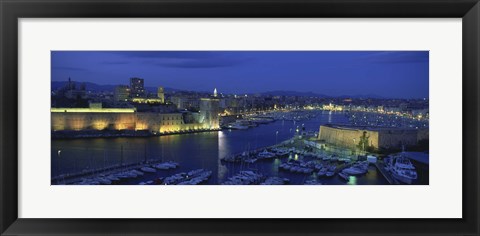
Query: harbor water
point(198, 150)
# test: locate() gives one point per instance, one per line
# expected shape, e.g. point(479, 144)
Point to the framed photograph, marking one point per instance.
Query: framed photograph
point(160, 117)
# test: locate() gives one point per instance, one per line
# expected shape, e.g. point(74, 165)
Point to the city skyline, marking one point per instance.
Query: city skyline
point(386, 74)
point(248, 118)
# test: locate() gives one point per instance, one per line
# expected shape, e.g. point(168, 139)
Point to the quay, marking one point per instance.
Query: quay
point(75, 177)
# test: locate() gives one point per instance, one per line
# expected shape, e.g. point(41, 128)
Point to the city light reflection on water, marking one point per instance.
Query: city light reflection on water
point(222, 151)
point(352, 180)
point(275, 165)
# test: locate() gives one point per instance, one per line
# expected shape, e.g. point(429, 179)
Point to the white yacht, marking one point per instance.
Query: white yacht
point(357, 169)
point(402, 169)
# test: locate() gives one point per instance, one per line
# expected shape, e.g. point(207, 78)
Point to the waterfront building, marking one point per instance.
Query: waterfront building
point(121, 93)
point(78, 119)
point(369, 137)
point(98, 118)
point(136, 87)
point(209, 110)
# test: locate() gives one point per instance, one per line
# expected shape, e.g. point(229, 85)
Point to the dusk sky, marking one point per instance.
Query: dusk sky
point(390, 74)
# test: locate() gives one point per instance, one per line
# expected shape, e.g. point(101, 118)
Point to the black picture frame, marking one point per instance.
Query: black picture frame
point(12, 10)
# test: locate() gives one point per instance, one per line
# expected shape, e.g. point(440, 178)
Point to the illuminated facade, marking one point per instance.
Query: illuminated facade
point(146, 100)
point(209, 109)
point(78, 119)
point(81, 119)
point(121, 93)
point(161, 94)
point(374, 137)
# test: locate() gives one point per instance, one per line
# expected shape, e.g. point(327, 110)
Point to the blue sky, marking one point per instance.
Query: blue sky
point(391, 74)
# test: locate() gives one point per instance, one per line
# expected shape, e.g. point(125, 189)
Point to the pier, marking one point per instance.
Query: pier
point(75, 177)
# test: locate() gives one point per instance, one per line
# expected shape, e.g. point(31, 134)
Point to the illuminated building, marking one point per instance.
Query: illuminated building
point(97, 118)
point(147, 100)
point(161, 94)
point(136, 87)
point(363, 137)
point(209, 109)
point(380, 109)
point(121, 93)
point(78, 119)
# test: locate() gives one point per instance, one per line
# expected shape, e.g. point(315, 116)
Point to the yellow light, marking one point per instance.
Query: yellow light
point(147, 100)
point(100, 124)
point(141, 126)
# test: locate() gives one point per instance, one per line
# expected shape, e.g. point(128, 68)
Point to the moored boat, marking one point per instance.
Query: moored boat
point(402, 169)
point(148, 169)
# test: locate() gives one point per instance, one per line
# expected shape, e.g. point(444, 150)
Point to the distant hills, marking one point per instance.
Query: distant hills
point(294, 93)
point(362, 96)
point(98, 88)
point(312, 94)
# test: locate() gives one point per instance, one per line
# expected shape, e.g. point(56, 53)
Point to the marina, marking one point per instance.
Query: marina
point(269, 154)
point(259, 122)
point(113, 174)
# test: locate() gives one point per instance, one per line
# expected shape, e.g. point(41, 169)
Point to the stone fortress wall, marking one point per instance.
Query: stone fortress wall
point(121, 119)
point(379, 138)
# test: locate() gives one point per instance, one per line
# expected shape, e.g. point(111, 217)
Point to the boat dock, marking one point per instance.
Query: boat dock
point(75, 177)
point(381, 167)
